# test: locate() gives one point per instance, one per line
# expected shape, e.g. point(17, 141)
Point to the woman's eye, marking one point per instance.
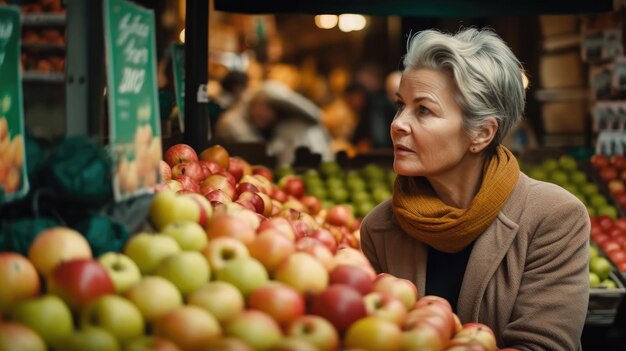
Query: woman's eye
point(399, 105)
point(422, 110)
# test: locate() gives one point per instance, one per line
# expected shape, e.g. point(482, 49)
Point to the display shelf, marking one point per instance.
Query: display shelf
point(561, 42)
point(604, 303)
point(546, 95)
point(36, 76)
point(43, 19)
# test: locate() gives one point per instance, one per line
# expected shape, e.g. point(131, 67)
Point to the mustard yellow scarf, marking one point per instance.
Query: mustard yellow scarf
point(424, 216)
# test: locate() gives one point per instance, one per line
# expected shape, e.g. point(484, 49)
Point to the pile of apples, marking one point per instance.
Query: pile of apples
point(612, 171)
point(610, 235)
point(220, 276)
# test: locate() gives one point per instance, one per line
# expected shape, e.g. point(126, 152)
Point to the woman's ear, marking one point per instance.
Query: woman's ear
point(485, 135)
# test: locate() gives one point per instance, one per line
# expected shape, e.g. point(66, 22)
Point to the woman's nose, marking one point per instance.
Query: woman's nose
point(399, 125)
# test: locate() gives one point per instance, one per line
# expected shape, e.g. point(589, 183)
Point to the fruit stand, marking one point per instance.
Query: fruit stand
point(223, 252)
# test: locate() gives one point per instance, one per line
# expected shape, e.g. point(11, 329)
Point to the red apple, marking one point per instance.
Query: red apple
point(316, 249)
point(280, 301)
point(621, 200)
point(616, 187)
point(217, 182)
point(241, 187)
point(608, 173)
point(16, 336)
point(57, 244)
point(189, 327)
point(386, 307)
point(252, 200)
point(621, 266)
point(280, 225)
point(436, 316)
point(279, 195)
point(231, 226)
point(476, 333)
point(80, 281)
point(433, 300)
point(621, 223)
point(617, 255)
point(426, 337)
point(231, 178)
point(403, 289)
point(292, 185)
point(191, 169)
point(180, 153)
point(605, 222)
point(238, 167)
point(18, 278)
point(609, 246)
point(599, 161)
point(217, 196)
point(263, 171)
point(303, 272)
point(312, 204)
point(615, 232)
point(341, 305)
point(188, 183)
point(325, 237)
point(210, 167)
point(340, 215)
point(353, 276)
point(255, 328)
point(271, 248)
point(165, 170)
point(216, 153)
point(618, 161)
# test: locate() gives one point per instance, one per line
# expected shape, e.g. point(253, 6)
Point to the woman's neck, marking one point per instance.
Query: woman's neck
point(458, 186)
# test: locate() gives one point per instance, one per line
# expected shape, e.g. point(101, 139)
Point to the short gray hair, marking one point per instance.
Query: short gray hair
point(487, 74)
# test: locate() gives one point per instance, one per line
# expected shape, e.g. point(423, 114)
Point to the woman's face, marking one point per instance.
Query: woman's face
point(427, 133)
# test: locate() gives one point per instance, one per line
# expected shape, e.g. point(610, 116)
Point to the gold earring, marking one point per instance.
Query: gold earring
point(474, 148)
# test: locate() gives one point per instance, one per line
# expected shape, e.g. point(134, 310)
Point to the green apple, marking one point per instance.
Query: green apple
point(359, 196)
point(608, 284)
point(150, 343)
point(538, 173)
point(330, 168)
point(89, 339)
point(339, 195)
point(123, 271)
point(147, 250)
point(381, 194)
point(363, 208)
point(559, 177)
point(223, 249)
point(607, 210)
point(303, 272)
point(550, 165)
point(316, 330)
point(15, 336)
point(223, 300)
point(245, 273)
point(578, 177)
point(189, 235)
point(187, 270)
point(588, 189)
point(255, 328)
point(167, 207)
point(594, 280)
point(373, 333)
point(600, 266)
point(115, 314)
point(593, 252)
point(189, 327)
point(154, 296)
point(47, 316)
point(597, 200)
point(294, 343)
point(568, 163)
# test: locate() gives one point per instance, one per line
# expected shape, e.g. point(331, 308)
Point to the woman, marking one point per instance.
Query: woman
point(464, 223)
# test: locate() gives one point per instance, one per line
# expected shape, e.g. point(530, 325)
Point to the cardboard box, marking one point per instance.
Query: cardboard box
point(567, 117)
point(561, 70)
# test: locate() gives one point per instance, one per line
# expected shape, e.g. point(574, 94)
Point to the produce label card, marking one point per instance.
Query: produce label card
point(178, 66)
point(13, 175)
point(129, 35)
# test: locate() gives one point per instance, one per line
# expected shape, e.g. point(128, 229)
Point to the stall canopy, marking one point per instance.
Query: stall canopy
point(417, 8)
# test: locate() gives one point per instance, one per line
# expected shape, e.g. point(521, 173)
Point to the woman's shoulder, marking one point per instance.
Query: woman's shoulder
point(379, 218)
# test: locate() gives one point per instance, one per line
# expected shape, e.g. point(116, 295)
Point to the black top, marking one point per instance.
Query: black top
point(444, 273)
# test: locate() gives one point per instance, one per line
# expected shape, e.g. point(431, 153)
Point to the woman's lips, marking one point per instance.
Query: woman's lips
point(402, 148)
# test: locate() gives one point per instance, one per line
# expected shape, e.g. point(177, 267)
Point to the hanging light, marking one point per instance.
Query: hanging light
point(349, 22)
point(181, 36)
point(326, 21)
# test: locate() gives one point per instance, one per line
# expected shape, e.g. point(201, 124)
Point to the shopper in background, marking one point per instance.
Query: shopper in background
point(278, 116)
point(464, 223)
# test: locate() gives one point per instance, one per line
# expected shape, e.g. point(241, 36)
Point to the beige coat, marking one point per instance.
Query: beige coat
point(527, 276)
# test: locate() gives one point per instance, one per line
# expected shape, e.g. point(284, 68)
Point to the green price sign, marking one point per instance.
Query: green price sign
point(13, 175)
point(132, 97)
point(178, 66)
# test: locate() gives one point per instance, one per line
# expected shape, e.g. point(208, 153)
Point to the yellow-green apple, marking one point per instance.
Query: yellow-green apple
point(316, 249)
point(223, 249)
point(89, 339)
point(465, 347)
point(218, 181)
point(280, 225)
point(165, 170)
point(167, 207)
point(223, 300)
point(18, 278)
point(115, 314)
point(316, 330)
point(189, 235)
point(292, 343)
point(187, 270)
point(340, 304)
point(403, 289)
point(46, 315)
point(189, 327)
point(426, 337)
point(303, 272)
point(179, 153)
point(280, 301)
point(373, 333)
point(227, 343)
point(353, 276)
point(255, 328)
point(122, 270)
point(230, 225)
point(385, 306)
point(78, 282)
point(147, 250)
point(173, 185)
point(238, 167)
point(217, 154)
point(150, 343)
point(353, 257)
point(271, 248)
point(340, 215)
point(16, 336)
point(154, 296)
point(245, 273)
point(57, 244)
point(475, 333)
point(191, 169)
